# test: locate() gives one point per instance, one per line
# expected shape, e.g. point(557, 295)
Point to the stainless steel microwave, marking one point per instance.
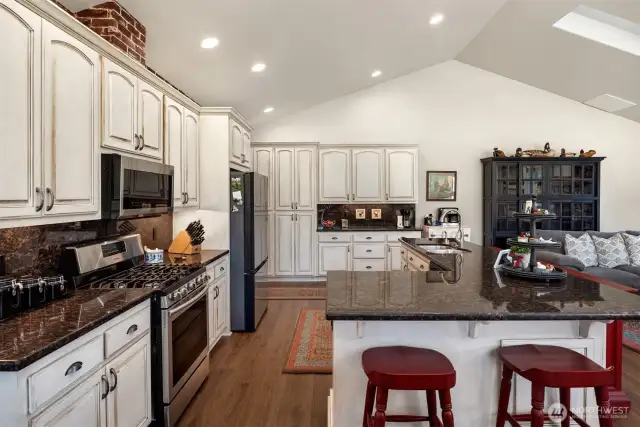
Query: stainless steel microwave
point(133, 188)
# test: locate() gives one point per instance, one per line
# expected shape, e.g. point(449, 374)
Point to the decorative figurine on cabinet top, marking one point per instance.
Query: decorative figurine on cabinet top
point(565, 153)
point(546, 152)
point(589, 153)
point(498, 153)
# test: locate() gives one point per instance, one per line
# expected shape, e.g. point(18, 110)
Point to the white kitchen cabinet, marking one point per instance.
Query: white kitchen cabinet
point(263, 164)
point(284, 244)
point(220, 306)
point(305, 243)
point(334, 175)
point(305, 179)
point(272, 245)
point(191, 161)
point(394, 256)
point(246, 148)
point(150, 120)
point(284, 178)
point(174, 136)
point(211, 315)
point(334, 257)
point(367, 175)
point(129, 398)
point(71, 124)
point(84, 406)
point(21, 191)
point(401, 170)
point(132, 113)
point(236, 147)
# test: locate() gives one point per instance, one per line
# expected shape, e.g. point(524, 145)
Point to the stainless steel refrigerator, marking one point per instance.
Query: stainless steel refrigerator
point(249, 235)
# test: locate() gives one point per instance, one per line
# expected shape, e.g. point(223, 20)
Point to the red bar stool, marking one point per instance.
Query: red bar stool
point(407, 368)
point(557, 367)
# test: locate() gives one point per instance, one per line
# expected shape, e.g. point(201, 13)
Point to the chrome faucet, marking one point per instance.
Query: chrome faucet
point(459, 238)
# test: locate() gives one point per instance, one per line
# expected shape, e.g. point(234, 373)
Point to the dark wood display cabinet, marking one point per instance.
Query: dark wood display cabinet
point(567, 187)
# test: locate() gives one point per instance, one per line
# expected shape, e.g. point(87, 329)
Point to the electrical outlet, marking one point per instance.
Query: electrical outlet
point(361, 214)
point(376, 213)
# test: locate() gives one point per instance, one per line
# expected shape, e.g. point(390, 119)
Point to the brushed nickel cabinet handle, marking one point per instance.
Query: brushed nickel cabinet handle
point(368, 267)
point(348, 197)
point(52, 197)
point(136, 139)
point(334, 238)
point(115, 379)
point(368, 250)
point(41, 204)
point(291, 205)
point(141, 142)
point(132, 329)
point(105, 381)
point(369, 238)
point(291, 217)
point(73, 368)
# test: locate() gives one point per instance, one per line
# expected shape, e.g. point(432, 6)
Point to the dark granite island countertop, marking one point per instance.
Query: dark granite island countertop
point(30, 336)
point(468, 288)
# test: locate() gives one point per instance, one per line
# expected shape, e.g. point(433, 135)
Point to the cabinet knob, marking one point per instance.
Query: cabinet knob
point(421, 267)
point(368, 250)
point(411, 259)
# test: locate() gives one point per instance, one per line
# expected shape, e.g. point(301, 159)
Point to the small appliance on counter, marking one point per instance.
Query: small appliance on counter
point(189, 240)
point(449, 215)
point(406, 218)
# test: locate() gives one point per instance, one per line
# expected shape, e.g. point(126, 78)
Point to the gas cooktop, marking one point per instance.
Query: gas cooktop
point(156, 276)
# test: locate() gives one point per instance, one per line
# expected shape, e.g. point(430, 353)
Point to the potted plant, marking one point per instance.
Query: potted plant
point(522, 255)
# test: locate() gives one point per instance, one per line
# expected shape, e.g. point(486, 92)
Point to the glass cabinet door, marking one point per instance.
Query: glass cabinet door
point(506, 220)
point(572, 216)
point(507, 179)
point(572, 180)
point(531, 179)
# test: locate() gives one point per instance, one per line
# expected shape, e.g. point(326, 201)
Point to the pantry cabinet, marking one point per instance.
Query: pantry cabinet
point(239, 145)
point(181, 137)
point(304, 243)
point(295, 178)
point(401, 169)
point(21, 192)
point(284, 244)
point(71, 124)
point(367, 175)
point(334, 175)
point(294, 244)
point(132, 113)
point(263, 165)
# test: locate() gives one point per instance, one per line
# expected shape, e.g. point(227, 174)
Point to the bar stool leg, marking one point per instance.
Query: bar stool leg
point(604, 407)
point(537, 405)
point(505, 394)
point(381, 407)
point(433, 409)
point(368, 404)
point(565, 399)
point(445, 404)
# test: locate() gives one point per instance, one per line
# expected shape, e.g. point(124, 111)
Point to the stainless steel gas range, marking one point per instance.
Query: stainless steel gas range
point(180, 360)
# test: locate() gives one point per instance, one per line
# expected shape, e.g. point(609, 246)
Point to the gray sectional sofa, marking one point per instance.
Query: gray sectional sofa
point(626, 275)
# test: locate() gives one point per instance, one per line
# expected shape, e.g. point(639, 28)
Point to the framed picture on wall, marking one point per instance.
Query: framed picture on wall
point(441, 186)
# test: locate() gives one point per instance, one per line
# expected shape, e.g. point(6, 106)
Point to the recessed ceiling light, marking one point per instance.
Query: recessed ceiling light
point(209, 43)
point(259, 67)
point(376, 73)
point(268, 109)
point(610, 103)
point(436, 19)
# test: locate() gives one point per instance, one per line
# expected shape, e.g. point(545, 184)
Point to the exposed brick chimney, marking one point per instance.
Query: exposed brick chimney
point(117, 26)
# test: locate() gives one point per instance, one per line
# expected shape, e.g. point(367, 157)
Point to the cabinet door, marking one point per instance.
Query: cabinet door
point(305, 243)
point(304, 180)
point(263, 164)
point(236, 148)
point(83, 406)
point(335, 171)
point(285, 243)
point(129, 401)
point(246, 148)
point(120, 108)
point(191, 161)
point(394, 257)
point(220, 307)
point(173, 137)
point(211, 315)
point(71, 124)
point(401, 169)
point(20, 61)
point(367, 175)
point(150, 120)
point(271, 263)
point(333, 257)
point(285, 165)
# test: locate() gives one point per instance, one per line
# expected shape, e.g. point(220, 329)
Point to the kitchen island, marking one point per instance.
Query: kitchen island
point(460, 306)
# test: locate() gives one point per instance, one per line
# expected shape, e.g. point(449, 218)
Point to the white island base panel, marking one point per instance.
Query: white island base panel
point(475, 396)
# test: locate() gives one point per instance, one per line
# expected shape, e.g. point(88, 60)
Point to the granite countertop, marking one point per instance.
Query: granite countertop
point(367, 228)
point(468, 288)
point(204, 257)
point(32, 335)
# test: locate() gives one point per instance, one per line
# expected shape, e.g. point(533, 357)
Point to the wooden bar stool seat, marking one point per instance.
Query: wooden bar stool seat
point(407, 368)
point(556, 367)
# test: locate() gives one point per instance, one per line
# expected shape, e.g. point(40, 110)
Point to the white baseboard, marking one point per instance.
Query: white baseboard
point(297, 279)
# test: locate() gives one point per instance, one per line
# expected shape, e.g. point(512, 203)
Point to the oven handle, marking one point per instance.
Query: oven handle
point(188, 304)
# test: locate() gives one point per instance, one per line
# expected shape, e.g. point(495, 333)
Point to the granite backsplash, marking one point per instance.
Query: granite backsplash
point(36, 250)
point(336, 213)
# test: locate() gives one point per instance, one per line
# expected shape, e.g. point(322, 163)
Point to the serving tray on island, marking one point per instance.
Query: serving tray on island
point(514, 241)
point(522, 215)
point(547, 276)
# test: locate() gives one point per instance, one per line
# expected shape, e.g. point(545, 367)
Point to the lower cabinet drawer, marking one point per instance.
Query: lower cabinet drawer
point(53, 378)
point(219, 270)
point(126, 331)
point(325, 237)
point(363, 250)
point(368, 265)
point(416, 263)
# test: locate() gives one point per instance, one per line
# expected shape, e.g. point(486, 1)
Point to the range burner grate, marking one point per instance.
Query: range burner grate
point(156, 276)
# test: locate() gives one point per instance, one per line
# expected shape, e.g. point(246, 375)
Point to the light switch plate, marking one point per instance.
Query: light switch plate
point(361, 213)
point(376, 213)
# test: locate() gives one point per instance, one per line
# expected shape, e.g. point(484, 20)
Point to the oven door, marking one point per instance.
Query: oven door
point(184, 342)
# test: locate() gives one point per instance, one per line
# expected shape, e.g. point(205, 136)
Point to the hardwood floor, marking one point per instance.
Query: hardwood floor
point(247, 389)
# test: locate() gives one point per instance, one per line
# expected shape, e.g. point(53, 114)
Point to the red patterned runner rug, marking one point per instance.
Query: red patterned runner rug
point(312, 348)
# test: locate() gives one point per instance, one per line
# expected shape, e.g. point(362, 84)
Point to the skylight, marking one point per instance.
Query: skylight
point(603, 28)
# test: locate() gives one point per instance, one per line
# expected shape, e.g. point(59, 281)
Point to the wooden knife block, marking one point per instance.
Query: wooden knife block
point(182, 245)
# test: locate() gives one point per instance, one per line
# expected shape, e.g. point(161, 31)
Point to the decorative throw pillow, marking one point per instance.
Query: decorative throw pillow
point(611, 252)
point(582, 249)
point(633, 248)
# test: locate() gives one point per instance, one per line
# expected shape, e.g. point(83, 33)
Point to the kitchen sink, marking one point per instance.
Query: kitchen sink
point(443, 249)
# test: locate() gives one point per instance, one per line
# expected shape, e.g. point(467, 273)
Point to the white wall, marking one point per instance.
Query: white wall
point(457, 114)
